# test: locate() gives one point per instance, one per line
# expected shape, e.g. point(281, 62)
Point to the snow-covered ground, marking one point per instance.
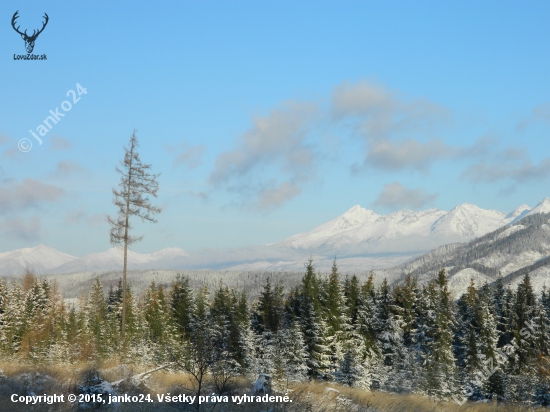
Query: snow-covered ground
point(459, 283)
point(540, 278)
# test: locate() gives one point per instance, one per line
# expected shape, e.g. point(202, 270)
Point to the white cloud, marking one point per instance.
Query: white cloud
point(407, 154)
point(274, 197)
point(66, 168)
point(275, 145)
point(76, 217)
point(29, 193)
point(396, 195)
point(189, 157)
point(540, 113)
point(382, 114)
point(59, 143)
point(18, 228)
point(508, 165)
point(3, 139)
point(389, 125)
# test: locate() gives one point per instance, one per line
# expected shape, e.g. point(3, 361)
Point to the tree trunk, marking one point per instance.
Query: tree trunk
point(124, 296)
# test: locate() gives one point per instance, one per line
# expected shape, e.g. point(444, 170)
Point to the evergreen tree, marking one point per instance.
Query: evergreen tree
point(182, 304)
point(523, 316)
point(335, 314)
point(294, 353)
point(160, 330)
point(96, 318)
point(315, 336)
point(352, 372)
point(137, 183)
point(441, 372)
point(352, 296)
point(269, 311)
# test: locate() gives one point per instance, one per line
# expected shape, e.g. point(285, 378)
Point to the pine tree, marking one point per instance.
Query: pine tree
point(405, 369)
point(365, 324)
point(160, 331)
point(132, 199)
point(441, 372)
point(14, 319)
point(352, 295)
point(315, 336)
point(96, 310)
point(523, 315)
point(4, 316)
point(351, 372)
point(182, 303)
point(202, 352)
point(294, 353)
point(387, 329)
point(335, 314)
point(269, 311)
point(405, 297)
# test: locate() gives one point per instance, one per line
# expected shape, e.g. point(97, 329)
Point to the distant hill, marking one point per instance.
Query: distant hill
point(511, 251)
point(37, 259)
point(360, 239)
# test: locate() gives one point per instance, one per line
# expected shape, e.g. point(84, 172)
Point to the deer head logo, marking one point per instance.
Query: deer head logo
point(29, 40)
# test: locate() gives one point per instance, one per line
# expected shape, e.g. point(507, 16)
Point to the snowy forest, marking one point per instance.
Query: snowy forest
point(407, 338)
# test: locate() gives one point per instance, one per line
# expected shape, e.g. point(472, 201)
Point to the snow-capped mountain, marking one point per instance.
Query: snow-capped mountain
point(38, 259)
point(112, 259)
point(359, 225)
point(360, 238)
point(362, 227)
point(512, 251)
point(542, 207)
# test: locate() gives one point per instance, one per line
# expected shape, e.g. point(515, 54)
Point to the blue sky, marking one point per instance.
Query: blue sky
point(266, 119)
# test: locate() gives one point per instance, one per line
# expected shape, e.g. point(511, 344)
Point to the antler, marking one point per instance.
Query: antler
point(34, 35)
point(15, 16)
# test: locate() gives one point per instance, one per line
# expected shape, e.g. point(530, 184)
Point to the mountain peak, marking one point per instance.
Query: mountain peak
point(542, 207)
point(466, 206)
point(518, 213)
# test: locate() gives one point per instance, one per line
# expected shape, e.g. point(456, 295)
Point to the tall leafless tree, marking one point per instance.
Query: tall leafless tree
point(137, 183)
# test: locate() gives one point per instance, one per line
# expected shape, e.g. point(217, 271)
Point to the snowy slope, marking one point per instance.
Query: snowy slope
point(112, 259)
point(361, 237)
point(459, 283)
point(359, 225)
point(38, 259)
point(540, 279)
point(511, 251)
point(468, 221)
point(429, 228)
point(542, 207)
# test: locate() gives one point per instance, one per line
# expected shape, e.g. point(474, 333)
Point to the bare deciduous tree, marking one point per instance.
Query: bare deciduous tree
point(137, 183)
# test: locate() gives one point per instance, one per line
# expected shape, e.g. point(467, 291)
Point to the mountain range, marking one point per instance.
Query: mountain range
point(360, 238)
point(359, 226)
point(510, 252)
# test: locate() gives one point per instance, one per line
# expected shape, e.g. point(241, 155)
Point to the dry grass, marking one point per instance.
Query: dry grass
point(306, 397)
point(312, 393)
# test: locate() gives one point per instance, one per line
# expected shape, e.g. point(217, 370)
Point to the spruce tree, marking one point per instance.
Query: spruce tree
point(441, 373)
point(352, 295)
point(335, 314)
point(96, 318)
point(294, 353)
point(182, 304)
point(269, 311)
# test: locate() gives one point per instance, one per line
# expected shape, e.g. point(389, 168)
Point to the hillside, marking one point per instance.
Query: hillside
point(522, 247)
